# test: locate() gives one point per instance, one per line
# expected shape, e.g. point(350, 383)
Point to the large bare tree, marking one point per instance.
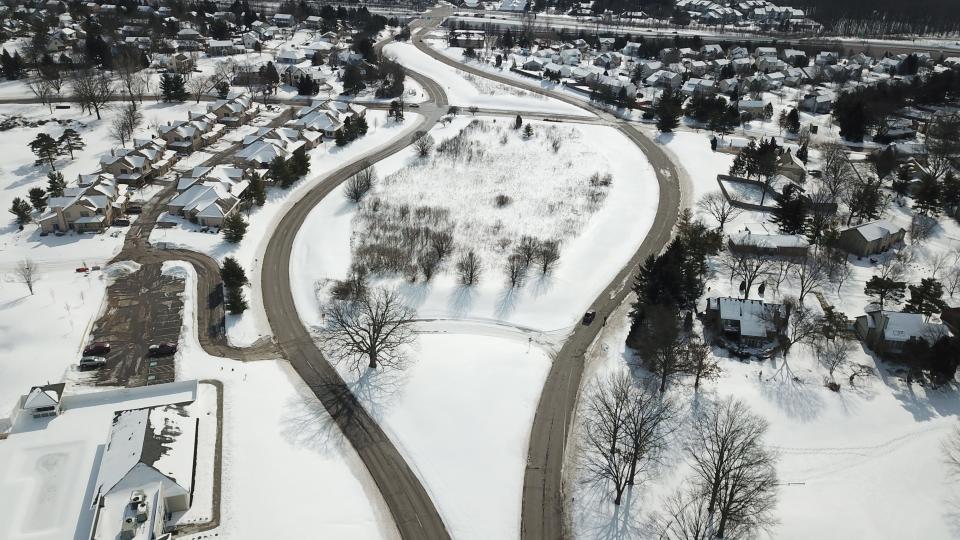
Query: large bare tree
point(748, 267)
point(605, 433)
point(736, 474)
point(374, 328)
point(810, 273)
point(651, 419)
point(717, 205)
point(92, 90)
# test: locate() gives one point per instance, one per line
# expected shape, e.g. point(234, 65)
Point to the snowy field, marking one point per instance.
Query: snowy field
point(594, 247)
point(465, 91)
point(252, 325)
point(283, 455)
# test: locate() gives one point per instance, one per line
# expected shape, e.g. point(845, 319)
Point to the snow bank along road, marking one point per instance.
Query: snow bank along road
point(542, 514)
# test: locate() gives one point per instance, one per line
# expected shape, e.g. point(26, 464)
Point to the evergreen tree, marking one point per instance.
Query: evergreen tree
point(299, 164)
point(791, 211)
point(45, 148)
point(223, 89)
point(768, 111)
point(234, 228)
point(668, 110)
point(885, 290)
point(257, 190)
point(926, 298)
point(232, 273)
point(518, 122)
point(11, 66)
point(55, 183)
point(527, 131)
point(173, 87)
point(38, 198)
point(70, 141)
point(340, 139)
point(279, 171)
point(21, 210)
point(802, 153)
point(927, 199)
point(352, 80)
point(236, 303)
point(361, 125)
point(793, 121)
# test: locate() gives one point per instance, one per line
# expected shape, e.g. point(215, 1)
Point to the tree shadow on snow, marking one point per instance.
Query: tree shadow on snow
point(601, 519)
point(506, 301)
point(797, 398)
point(461, 299)
point(541, 284)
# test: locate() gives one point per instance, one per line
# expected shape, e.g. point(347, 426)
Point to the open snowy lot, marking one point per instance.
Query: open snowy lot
point(599, 227)
point(282, 454)
point(252, 325)
point(466, 90)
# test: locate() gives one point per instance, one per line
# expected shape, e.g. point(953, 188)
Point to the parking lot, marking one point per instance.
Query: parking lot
point(142, 308)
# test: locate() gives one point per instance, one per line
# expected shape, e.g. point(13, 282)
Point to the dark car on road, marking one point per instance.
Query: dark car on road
point(92, 362)
point(163, 349)
point(588, 317)
point(97, 348)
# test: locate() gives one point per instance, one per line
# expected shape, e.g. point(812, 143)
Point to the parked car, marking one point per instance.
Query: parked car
point(162, 349)
point(92, 362)
point(121, 222)
point(97, 348)
point(414, 105)
point(588, 317)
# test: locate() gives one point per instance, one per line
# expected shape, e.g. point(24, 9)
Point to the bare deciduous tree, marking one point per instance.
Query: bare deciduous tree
point(516, 270)
point(423, 143)
point(28, 273)
point(605, 433)
point(527, 249)
point(651, 419)
point(548, 255)
point(836, 169)
point(811, 272)
point(748, 267)
point(428, 263)
point(735, 472)
point(832, 353)
point(359, 184)
point(442, 244)
point(43, 90)
point(374, 327)
point(469, 268)
point(952, 281)
point(685, 517)
point(718, 206)
point(92, 90)
point(802, 324)
point(126, 123)
point(699, 362)
point(199, 85)
point(951, 449)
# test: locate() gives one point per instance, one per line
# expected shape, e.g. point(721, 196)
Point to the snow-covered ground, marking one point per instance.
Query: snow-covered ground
point(252, 325)
point(466, 90)
point(865, 462)
point(600, 245)
point(287, 472)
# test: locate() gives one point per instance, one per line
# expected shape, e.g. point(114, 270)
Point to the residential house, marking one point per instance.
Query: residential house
point(888, 332)
point(764, 239)
point(290, 55)
point(607, 60)
point(205, 204)
point(871, 238)
point(283, 20)
point(225, 47)
point(790, 166)
point(817, 103)
point(469, 39)
point(711, 51)
point(751, 322)
point(664, 79)
point(232, 112)
point(699, 87)
point(87, 206)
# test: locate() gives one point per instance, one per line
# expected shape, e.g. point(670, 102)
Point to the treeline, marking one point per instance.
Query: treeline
point(883, 17)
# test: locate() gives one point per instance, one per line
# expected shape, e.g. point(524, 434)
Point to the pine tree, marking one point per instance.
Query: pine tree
point(927, 200)
point(55, 183)
point(926, 298)
point(236, 303)
point(21, 209)
point(299, 164)
point(793, 121)
point(518, 123)
point(280, 172)
point(257, 189)
point(791, 211)
point(223, 89)
point(668, 110)
point(362, 126)
point(234, 228)
point(340, 138)
point(70, 141)
point(232, 273)
point(45, 148)
point(38, 198)
point(527, 131)
point(172, 87)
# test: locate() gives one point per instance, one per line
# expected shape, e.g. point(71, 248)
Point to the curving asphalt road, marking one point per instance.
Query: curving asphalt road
point(543, 500)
